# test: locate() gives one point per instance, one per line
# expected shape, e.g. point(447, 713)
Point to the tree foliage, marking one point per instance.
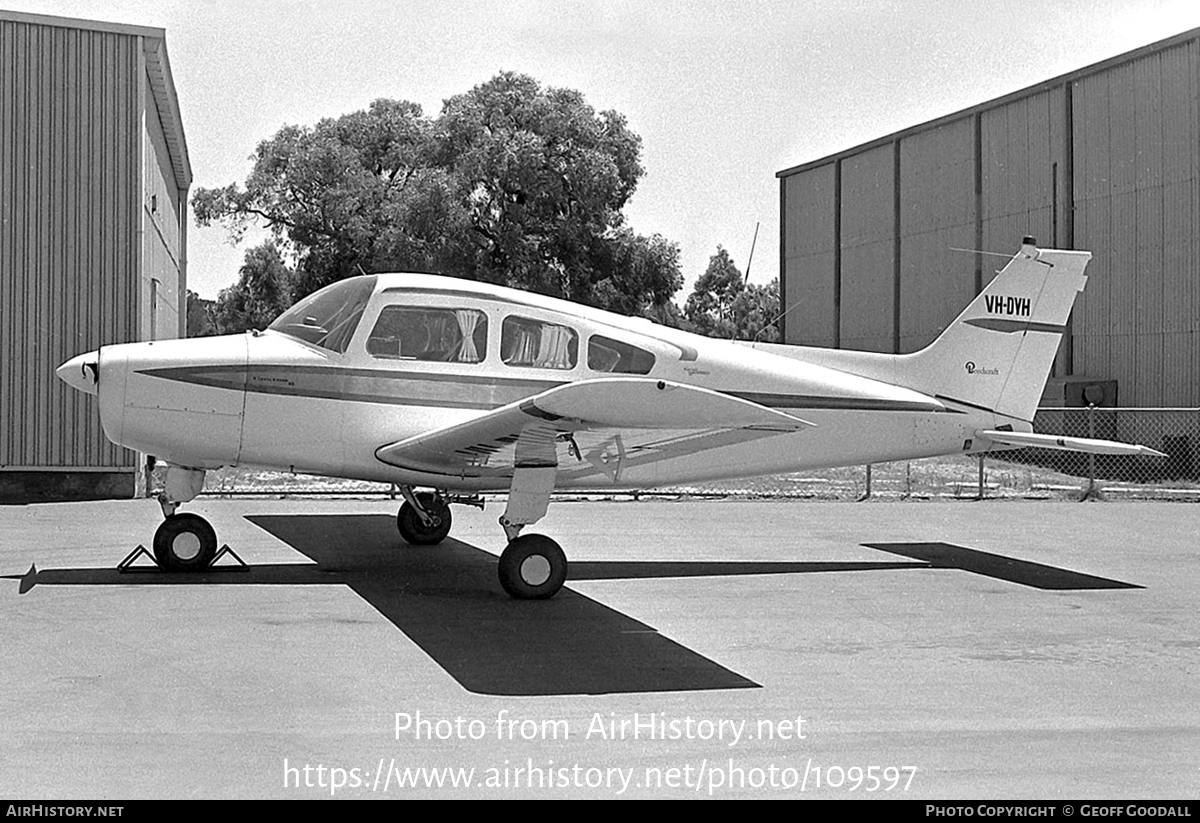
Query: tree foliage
point(263, 290)
point(199, 316)
point(756, 313)
point(512, 183)
point(723, 305)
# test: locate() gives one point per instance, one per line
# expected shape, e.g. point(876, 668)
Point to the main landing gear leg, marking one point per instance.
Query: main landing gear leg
point(532, 566)
point(424, 519)
point(184, 542)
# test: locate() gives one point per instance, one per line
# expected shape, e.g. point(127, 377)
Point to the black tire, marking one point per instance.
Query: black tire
point(532, 567)
point(417, 533)
point(185, 543)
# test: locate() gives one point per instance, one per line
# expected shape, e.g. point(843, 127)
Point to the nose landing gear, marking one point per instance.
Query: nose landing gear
point(185, 542)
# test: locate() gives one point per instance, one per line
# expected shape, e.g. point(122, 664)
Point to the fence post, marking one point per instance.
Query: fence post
point(981, 489)
point(868, 492)
point(1092, 492)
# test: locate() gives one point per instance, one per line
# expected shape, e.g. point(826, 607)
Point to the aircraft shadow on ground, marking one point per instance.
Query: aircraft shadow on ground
point(1022, 572)
point(447, 599)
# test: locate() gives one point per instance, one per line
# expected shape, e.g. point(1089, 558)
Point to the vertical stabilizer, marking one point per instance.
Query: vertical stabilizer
point(999, 351)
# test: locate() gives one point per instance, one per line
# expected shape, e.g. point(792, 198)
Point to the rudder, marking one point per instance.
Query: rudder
point(997, 354)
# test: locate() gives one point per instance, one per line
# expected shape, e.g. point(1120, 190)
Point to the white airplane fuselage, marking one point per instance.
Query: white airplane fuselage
point(461, 387)
point(273, 400)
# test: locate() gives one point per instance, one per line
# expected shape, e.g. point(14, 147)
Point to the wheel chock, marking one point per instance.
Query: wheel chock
point(126, 566)
point(239, 565)
point(242, 565)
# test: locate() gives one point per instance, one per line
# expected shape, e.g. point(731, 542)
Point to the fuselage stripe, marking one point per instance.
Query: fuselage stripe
point(1012, 326)
point(455, 391)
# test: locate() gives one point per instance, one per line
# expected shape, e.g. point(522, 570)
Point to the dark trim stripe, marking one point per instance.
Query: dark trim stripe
point(456, 391)
point(965, 403)
point(980, 408)
point(362, 385)
point(1011, 326)
point(186, 373)
point(809, 401)
point(221, 377)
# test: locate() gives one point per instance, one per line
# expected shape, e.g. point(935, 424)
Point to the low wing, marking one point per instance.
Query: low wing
point(590, 427)
point(1077, 444)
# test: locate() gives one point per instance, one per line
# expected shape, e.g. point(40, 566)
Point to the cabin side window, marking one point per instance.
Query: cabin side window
point(538, 345)
point(607, 355)
point(429, 334)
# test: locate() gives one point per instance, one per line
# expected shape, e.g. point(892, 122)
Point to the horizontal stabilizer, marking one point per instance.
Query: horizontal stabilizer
point(1075, 444)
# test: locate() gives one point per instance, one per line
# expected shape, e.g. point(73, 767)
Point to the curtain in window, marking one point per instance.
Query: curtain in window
point(553, 351)
point(468, 320)
point(525, 346)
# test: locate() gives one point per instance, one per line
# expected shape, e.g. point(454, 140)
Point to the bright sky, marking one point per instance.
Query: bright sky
point(723, 94)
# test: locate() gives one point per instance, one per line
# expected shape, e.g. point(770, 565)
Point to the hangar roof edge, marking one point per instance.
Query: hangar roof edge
point(1045, 85)
point(158, 70)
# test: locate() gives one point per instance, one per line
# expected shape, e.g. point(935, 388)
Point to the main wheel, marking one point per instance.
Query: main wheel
point(532, 567)
point(414, 531)
point(185, 543)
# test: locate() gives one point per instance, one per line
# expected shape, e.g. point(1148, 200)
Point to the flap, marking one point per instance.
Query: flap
point(655, 419)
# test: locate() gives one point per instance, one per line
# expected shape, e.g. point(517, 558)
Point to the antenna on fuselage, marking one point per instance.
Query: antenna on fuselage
point(750, 262)
point(746, 277)
point(778, 317)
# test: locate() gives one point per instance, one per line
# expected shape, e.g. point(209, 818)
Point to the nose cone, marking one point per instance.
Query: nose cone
point(81, 372)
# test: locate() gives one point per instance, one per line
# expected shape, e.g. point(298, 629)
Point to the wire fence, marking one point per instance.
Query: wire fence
point(1175, 432)
point(1019, 473)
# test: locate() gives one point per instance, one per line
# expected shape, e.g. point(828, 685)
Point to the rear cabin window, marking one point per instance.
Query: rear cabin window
point(430, 334)
point(538, 345)
point(608, 355)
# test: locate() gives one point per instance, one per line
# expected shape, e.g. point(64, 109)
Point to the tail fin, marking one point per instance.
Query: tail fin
point(998, 353)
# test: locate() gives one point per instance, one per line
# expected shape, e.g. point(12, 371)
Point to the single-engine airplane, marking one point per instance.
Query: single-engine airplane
point(463, 388)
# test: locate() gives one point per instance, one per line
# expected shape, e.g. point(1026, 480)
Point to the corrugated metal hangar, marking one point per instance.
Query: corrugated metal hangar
point(94, 176)
point(1105, 159)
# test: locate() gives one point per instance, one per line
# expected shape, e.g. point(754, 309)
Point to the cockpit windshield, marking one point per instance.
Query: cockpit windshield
point(329, 317)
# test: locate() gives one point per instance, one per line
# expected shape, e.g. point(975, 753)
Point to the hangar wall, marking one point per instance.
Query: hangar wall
point(82, 150)
point(1106, 158)
point(162, 204)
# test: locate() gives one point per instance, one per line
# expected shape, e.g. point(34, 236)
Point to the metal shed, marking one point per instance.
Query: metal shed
point(1106, 158)
point(94, 176)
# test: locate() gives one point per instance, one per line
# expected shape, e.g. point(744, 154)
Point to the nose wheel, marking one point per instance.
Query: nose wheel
point(532, 567)
point(185, 542)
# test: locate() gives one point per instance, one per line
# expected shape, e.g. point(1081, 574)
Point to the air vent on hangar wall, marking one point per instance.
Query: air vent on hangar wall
point(1079, 392)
